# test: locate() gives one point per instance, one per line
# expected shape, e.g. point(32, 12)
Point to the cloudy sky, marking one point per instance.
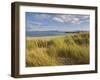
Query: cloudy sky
point(58, 22)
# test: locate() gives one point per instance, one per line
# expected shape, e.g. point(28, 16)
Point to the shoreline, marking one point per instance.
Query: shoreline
point(44, 37)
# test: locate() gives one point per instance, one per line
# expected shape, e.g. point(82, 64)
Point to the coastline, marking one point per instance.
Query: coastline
point(44, 37)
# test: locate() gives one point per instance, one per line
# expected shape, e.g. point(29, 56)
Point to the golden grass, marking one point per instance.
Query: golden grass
point(62, 50)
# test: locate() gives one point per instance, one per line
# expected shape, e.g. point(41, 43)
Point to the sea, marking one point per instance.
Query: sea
point(44, 33)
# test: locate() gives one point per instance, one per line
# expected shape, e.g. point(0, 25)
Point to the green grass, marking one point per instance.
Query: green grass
point(66, 50)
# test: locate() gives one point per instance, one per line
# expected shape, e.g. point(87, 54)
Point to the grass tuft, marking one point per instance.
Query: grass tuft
point(66, 50)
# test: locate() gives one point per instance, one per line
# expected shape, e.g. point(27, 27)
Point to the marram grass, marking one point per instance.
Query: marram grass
point(66, 50)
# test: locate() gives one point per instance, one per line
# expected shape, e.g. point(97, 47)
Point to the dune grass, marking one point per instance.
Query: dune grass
point(66, 50)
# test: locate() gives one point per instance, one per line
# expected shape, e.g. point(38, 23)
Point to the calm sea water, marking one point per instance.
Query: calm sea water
point(44, 33)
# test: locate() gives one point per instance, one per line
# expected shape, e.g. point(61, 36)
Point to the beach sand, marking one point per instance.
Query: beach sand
point(44, 37)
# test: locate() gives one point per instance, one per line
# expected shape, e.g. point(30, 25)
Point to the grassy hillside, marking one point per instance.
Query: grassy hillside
point(66, 50)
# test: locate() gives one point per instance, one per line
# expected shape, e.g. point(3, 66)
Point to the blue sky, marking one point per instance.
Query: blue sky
point(57, 22)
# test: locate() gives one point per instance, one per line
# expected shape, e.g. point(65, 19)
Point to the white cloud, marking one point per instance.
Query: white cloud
point(33, 28)
point(67, 19)
point(41, 16)
point(85, 17)
point(75, 21)
point(58, 19)
point(64, 18)
point(36, 23)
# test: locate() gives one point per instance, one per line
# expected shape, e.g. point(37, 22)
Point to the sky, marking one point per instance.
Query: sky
point(56, 22)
